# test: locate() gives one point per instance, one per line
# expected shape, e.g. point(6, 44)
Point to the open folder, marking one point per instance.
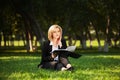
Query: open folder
point(69, 48)
point(69, 51)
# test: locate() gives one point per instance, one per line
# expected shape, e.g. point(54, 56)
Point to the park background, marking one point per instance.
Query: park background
point(91, 25)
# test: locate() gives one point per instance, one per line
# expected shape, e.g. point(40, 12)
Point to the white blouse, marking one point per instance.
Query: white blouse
point(54, 48)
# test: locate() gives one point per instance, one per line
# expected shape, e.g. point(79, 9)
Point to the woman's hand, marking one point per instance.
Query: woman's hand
point(53, 55)
point(58, 42)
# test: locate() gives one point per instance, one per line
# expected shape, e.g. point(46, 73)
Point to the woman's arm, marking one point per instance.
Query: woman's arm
point(46, 55)
point(64, 45)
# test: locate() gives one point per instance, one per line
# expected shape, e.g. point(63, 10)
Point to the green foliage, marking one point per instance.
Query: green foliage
point(75, 16)
point(91, 66)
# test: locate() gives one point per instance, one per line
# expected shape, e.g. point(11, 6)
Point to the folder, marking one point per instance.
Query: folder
point(68, 52)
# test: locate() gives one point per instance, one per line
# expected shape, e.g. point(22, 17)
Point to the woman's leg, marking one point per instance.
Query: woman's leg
point(61, 67)
point(54, 65)
point(66, 63)
point(49, 65)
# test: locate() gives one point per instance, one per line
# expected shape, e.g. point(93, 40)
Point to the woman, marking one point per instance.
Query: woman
point(55, 42)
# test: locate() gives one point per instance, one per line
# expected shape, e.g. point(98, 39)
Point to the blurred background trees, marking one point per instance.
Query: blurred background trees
point(29, 20)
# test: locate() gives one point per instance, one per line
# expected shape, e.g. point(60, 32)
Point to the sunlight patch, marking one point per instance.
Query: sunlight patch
point(105, 56)
point(19, 75)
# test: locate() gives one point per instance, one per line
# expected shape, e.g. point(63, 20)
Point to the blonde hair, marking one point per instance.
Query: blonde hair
point(51, 29)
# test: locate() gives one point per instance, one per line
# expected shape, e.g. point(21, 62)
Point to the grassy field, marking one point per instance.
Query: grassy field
point(92, 65)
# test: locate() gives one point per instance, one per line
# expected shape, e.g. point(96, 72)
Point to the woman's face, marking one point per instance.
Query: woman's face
point(56, 33)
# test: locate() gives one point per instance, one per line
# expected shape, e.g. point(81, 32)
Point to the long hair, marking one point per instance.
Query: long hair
point(51, 29)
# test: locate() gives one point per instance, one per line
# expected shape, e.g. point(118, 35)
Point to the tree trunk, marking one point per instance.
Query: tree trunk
point(90, 37)
point(98, 39)
point(84, 45)
point(29, 16)
point(29, 42)
point(107, 41)
point(117, 37)
point(71, 40)
point(0, 39)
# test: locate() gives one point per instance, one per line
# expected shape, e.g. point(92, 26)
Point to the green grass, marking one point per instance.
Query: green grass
point(91, 66)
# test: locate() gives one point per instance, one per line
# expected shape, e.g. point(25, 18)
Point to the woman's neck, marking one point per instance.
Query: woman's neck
point(55, 42)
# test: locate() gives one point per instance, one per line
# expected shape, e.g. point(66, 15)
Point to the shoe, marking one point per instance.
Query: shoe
point(63, 69)
point(70, 69)
point(40, 66)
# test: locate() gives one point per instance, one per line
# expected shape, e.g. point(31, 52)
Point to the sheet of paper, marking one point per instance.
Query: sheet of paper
point(71, 48)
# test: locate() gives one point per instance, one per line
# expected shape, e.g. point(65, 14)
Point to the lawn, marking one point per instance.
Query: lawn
point(91, 66)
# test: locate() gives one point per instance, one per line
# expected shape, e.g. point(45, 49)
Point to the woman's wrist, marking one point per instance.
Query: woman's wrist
point(52, 55)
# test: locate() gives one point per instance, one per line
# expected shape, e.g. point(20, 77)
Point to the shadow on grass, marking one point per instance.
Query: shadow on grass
point(94, 51)
point(17, 49)
point(19, 54)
